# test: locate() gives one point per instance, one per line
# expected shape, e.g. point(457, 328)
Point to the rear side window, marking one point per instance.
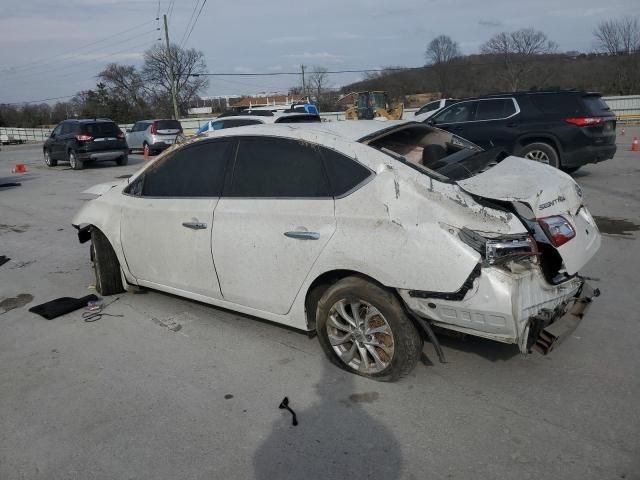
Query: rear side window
point(277, 167)
point(430, 107)
point(557, 104)
point(168, 125)
point(194, 171)
point(344, 173)
point(495, 109)
point(67, 128)
point(595, 105)
point(102, 129)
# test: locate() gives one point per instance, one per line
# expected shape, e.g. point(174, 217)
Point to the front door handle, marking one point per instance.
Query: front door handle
point(302, 235)
point(194, 225)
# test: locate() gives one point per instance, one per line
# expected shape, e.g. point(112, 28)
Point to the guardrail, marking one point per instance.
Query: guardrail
point(626, 108)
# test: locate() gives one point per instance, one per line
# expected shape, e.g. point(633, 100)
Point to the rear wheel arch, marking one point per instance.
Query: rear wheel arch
point(549, 139)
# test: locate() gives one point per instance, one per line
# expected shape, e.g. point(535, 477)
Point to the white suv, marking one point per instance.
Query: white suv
point(153, 135)
point(366, 233)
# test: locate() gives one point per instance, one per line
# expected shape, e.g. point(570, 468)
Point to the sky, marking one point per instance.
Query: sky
point(55, 48)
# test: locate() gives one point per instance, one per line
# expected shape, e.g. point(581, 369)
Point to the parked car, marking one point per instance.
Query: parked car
point(366, 233)
point(565, 129)
point(430, 108)
point(153, 135)
point(87, 140)
point(256, 118)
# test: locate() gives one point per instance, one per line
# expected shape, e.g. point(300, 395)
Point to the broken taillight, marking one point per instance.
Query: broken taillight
point(498, 250)
point(558, 229)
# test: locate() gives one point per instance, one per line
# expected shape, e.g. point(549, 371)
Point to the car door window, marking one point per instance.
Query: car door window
point(460, 112)
point(276, 167)
point(194, 171)
point(495, 109)
point(66, 128)
point(56, 131)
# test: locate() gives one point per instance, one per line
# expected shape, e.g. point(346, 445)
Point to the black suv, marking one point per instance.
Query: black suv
point(79, 141)
point(566, 129)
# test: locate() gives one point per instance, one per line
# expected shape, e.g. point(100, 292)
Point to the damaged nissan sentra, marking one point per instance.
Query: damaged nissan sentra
point(366, 233)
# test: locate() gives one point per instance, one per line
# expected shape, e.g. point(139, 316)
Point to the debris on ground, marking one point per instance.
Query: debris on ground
point(169, 324)
point(284, 405)
point(3, 260)
point(95, 310)
point(15, 302)
point(10, 184)
point(61, 306)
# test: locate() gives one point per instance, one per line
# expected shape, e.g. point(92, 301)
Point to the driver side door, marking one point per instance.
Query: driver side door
point(167, 220)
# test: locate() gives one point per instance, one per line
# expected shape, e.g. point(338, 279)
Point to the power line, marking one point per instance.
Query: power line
point(193, 14)
point(194, 24)
point(40, 61)
point(275, 74)
point(47, 70)
point(39, 101)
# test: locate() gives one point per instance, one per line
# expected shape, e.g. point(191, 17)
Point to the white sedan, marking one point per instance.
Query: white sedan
point(366, 233)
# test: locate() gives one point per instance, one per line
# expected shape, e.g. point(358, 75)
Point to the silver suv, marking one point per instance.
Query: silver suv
point(154, 135)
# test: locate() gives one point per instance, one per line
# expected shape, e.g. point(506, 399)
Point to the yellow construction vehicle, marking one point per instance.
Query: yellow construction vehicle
point(372, 105)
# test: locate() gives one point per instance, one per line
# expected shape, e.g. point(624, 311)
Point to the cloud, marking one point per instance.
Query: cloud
point(242, 69)
point(22, 30)
point(490, 23)
point(275, 68)
point(346, 36)
point(104, 57)
point(318, 56)
point(290, 39)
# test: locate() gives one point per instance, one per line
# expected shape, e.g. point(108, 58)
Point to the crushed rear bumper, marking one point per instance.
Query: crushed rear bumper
point(549, 328)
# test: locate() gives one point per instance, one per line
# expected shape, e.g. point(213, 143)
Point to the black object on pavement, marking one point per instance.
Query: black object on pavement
point(3, 260)
point(61, 306)
point(284, 404)
point(10, 184)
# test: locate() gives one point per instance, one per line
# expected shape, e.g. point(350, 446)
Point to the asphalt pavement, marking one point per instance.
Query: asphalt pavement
point(175, 389)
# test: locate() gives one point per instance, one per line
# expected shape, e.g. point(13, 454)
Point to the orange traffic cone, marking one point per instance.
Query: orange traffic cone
point(20, 168)
point(146, 152)
point(634, 145)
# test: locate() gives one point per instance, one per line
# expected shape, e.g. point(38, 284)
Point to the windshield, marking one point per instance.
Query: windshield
point(435, 152)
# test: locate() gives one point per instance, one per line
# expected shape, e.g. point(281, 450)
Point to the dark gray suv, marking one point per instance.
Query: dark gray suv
point(80, 141)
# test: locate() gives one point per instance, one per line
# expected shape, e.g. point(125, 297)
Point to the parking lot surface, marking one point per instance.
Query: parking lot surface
point(176, 389)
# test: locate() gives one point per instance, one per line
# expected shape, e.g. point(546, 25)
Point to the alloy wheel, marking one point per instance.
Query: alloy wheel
point(360, 335)
point(538, 156)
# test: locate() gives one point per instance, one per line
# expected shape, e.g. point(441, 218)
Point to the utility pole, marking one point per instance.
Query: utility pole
point(176, 114)
point(304, 85)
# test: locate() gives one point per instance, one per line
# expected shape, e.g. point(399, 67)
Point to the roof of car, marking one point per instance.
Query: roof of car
point(89, 120)
point(527, 92)
point(354, 130)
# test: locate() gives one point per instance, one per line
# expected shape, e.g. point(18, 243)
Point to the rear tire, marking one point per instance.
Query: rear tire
point(48, 161)
point(541, 152)
point(74, 161)
point(123, 160)
point(384, 331)
point(105, 264)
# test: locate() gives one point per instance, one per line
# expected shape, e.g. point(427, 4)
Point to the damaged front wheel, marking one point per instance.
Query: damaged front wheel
point(105, 264)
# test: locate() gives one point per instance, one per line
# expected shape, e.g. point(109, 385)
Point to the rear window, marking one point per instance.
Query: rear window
point(299, 119)
point(168, 125)
point(595, 105)
point(101, 129)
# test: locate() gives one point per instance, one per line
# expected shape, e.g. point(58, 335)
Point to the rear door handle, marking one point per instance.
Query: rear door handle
point(301, 235)
point(194, 225)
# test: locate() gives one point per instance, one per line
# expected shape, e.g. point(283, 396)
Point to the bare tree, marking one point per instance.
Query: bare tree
point(441, 52)
point(621, 39)
point(318, 82)
point(517, 51)
point(124, 81)
point(186, 64)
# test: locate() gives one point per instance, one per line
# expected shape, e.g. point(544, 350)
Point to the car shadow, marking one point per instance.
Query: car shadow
point(335, 437)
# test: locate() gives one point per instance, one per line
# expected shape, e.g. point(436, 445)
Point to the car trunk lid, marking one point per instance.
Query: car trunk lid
point(547, 192)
